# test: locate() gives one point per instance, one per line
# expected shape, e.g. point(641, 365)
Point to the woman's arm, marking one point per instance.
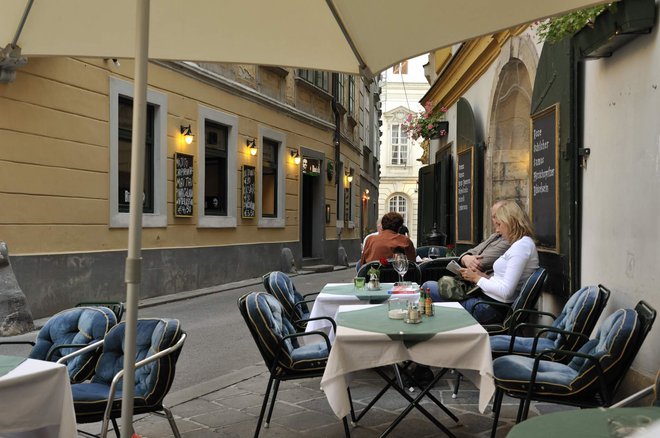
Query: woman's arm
point(503, 287)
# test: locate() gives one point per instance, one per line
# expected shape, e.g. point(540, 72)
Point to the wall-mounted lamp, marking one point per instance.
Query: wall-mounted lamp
point(350, 178)
point(188, 136)
point(296, 156)
point(252, 146)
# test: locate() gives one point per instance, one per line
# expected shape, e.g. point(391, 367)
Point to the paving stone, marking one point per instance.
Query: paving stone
point(300, 394)
point(222, 417)
point(154, 426)
point(280, 409)
point(202, 433)
point(305, 420)
point(194, 407)
point(241, 401)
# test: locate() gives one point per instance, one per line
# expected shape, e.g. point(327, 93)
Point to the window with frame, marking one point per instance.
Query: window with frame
point(399, 141)
point(399, 204)
point(269, 175)
point(124, 135)
point(155, 172)
point(339, 89)
point(216, 138)
point(320, 79)
point(351, 95)
point(216, 179)
point(401, 68)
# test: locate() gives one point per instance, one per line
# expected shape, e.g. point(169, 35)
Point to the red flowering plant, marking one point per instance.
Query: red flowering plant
point(425, 124)
point(450, 250)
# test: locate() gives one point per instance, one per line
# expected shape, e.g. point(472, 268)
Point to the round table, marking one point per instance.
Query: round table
point(579, 423)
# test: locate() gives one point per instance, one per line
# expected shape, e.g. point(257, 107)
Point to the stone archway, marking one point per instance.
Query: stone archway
point(507, 159)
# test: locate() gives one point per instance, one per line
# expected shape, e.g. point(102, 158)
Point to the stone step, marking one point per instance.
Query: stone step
point(319, 268)
point(311, 261)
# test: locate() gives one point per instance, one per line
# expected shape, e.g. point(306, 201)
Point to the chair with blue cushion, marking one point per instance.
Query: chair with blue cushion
point(158, 344)
point(71, 330)
point(590, 379)
point(569, 331)
point(516, 312)
point(295, 304)
point(278, 343)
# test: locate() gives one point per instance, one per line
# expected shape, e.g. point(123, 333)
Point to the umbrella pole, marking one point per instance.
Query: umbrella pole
point(134, 259)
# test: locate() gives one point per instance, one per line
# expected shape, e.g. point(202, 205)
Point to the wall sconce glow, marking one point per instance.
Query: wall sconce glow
point(296, 157)
point(349, 178)
point(188, 136)
point(252, 146)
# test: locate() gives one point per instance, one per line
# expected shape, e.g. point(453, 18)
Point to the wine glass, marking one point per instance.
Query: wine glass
point(434, 252)
point(400, 265)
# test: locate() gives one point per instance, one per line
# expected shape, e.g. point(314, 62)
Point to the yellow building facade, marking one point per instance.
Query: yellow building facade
point(65, 130)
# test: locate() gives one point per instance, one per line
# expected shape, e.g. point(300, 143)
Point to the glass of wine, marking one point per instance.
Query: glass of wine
point(400, 265)
point(434, 252)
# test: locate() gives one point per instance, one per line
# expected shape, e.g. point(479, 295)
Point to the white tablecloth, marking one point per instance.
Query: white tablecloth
point(36, 401)
point(327, 304)
point(466, 348)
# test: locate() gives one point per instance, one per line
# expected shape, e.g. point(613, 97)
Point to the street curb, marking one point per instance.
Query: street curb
point(186, 295)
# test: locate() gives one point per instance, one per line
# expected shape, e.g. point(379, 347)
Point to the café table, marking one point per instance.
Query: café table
point(366, 338)
point(584, 423)
point(334, 295)
point(35, 399)
point(581, 423)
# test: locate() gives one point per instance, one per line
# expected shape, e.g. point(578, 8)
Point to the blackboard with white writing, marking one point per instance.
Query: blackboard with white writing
point(183, 185)
point(249, 192)
point(464, 197)
point(543, 184)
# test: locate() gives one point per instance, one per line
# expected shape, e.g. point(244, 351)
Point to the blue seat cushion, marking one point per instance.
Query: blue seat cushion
point(614, 340)
point(281, 286)
point(270, 325)
point(79, 326)
point(152, 381)
point(499, 344)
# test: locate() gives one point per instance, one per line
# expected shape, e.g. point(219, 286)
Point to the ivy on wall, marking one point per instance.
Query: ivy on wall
point(557, 28)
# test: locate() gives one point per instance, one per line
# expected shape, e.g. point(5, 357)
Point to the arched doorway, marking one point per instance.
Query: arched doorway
point(509, 146)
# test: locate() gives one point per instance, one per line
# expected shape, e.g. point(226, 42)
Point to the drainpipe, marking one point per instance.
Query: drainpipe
point(337, 144)
point(579, 154)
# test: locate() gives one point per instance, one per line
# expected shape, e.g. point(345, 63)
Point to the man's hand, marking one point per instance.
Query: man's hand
point(472, 262)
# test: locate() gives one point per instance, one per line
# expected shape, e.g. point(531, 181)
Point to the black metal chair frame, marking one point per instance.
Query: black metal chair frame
point(117, 307)
point(279, 373)
point(605, 394)
point(544, 329)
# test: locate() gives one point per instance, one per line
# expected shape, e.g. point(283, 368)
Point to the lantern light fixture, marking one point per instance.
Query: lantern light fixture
point(252, 146)
point(188, 136)
point(296, 156)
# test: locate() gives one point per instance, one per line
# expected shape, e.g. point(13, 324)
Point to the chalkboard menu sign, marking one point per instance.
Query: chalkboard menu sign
point(465, 197)
point(544, 199)
point(249, 192)
point(183, 185)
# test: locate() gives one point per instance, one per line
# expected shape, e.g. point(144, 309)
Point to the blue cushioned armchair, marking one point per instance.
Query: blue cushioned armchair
point(590, 379)
point(158, 344)
point(569, 331)
point(295, 304)
point(69, 331)
point(278, 343)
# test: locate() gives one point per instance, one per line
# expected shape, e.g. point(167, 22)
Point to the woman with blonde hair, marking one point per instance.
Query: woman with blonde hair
point(510, 271)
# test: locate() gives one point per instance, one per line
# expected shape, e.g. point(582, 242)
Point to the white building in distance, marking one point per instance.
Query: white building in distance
point(402, 87)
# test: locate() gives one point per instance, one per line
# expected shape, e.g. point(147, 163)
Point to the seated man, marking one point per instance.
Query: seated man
point(379, 228)
point(383, 244)
point(479, 258)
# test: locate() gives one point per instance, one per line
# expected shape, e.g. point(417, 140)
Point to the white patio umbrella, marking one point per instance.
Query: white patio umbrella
point(351, 36)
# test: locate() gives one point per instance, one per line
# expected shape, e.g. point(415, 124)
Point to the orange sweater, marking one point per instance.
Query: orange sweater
point(383, 245)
